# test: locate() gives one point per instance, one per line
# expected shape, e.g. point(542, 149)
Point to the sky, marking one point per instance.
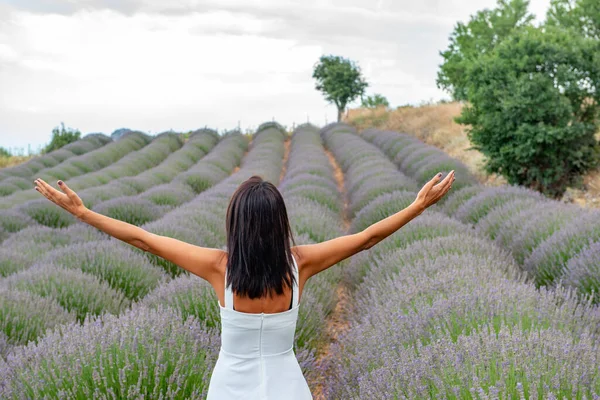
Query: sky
point(155, 65)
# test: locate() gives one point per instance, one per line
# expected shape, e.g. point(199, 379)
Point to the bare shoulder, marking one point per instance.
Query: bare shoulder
point(299, 253)
point(219, 261)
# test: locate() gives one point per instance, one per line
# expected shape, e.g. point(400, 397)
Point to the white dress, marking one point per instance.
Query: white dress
point(257, 359)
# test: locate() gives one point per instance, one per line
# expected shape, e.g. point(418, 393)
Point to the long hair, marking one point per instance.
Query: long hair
point(259, 261)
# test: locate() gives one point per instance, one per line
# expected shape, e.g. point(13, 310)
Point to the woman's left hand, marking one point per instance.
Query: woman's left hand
point(67, 200)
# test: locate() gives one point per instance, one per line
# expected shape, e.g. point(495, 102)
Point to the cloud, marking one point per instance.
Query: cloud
point(155, 65)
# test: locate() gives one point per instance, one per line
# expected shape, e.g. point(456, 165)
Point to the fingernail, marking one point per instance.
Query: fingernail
point(60, 182)
point(440, 174)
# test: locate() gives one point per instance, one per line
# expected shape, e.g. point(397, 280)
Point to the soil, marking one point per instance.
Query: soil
point(337, 322)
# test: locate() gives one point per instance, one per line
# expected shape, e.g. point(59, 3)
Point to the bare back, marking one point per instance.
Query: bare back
point(268, 305)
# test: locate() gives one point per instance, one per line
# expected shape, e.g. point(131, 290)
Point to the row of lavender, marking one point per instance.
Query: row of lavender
point(89, 162)
point(187, 169)
point(75, 272)
point(166, 344)
point(19, 177)
point(155, 163)
point(312, 219)
point(554, 243)
point(442, 313)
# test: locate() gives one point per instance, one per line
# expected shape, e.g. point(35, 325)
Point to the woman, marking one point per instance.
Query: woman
point(258, 281)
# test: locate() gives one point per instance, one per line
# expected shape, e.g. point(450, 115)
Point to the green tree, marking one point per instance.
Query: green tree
point(340, 80)
point(375, 101)
point(4, 152)
point(61, 137)
point(582, 15)
point(479, 36)
point(534, 106)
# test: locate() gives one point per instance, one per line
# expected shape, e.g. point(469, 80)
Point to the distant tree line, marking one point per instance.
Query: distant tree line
point(61, 136)
point(532, 92)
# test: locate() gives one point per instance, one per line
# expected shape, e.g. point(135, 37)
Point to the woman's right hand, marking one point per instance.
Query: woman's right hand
point(434, 190)
point(69, 200)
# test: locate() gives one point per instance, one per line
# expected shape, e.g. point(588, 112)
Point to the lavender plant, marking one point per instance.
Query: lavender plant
point(583, 271)
point(548, 261)
point(481, 204)
point(144, 353)
point(73, 289)
point(25, 316)
point(121, 268)
point(190, 296)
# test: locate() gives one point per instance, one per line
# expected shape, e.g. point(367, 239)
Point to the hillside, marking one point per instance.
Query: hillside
point(434, 124)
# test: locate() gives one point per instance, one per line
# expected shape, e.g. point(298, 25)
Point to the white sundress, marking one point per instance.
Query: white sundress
point(257, 359)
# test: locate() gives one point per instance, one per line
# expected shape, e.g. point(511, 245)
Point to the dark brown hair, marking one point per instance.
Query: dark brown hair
point(259, 241)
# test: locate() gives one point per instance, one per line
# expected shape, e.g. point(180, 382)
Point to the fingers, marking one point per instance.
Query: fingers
point(445, 185)
point(48, 191)
point(449, 181)
point(433, 181)
point(66, 189)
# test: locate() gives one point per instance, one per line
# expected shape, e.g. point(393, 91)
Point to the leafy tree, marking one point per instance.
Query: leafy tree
point(479, 36)
point(61, 137)
point(4, 152)
point(340, 80)
point(534, 107)
point(582, 15)
point(375, 101)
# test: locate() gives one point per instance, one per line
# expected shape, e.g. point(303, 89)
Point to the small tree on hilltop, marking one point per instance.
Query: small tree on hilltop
point(375, 101)
point(340, 80)
point(534, 105)
point(61, 137)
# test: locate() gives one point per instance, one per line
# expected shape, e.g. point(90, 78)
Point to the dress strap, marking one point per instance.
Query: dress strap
point(228, 294)
point(295, 291)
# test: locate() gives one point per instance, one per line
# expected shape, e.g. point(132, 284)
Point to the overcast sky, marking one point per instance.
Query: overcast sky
point(158, 65)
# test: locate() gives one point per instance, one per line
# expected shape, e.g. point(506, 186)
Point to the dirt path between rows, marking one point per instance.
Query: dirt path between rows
point(286, 153)
point(337, 322)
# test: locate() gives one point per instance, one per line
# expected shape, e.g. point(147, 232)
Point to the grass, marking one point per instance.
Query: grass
point(13, 160)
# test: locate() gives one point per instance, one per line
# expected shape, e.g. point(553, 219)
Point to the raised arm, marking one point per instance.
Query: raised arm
point(318, 257)
point(200, 261)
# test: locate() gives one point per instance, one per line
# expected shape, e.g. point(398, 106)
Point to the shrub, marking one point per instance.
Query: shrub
point(481, 204)
point(491, 225)
point(143, 353)
point(382, 207)
point(121, 268)
point(47, 213)
point(548, 261)
point(456, 199)
point(26, 316)
point(171, 194)
point(13, 221)
point(533, 108)
point(313, 219)
point(202, 177)
point(525, 230)
point(12, 261)
point(133, 210)
point(36, 240)
point(583, 272)
point(74, 290)
point(190, 296)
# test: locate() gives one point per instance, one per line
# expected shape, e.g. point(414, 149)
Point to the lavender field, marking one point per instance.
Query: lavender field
point(489, 294)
